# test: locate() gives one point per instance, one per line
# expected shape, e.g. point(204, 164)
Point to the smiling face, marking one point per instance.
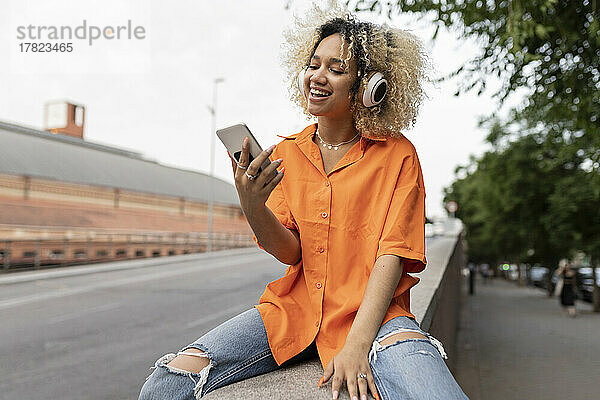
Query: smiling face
point(327, 81)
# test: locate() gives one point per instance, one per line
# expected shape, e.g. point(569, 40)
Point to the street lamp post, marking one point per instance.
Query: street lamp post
point(213, 133)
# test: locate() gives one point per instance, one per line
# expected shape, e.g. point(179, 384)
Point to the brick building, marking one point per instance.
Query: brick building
point(65, 200)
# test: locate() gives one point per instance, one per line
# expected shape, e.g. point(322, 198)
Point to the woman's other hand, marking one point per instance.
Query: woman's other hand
point(254, 193)
point(346, 366)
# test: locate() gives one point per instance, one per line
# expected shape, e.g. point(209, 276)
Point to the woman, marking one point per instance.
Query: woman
point(348, 217)
point(569, 286)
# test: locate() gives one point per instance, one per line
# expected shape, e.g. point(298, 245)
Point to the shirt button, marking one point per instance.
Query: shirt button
point(327, 183)
point(316, 323)
point(318, 285)
point(324, 214)
point(321, 249)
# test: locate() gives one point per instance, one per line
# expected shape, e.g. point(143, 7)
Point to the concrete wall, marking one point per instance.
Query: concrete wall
point(435, 303)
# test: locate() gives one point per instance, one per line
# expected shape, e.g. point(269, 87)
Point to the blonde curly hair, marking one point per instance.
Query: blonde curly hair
point(396, 53)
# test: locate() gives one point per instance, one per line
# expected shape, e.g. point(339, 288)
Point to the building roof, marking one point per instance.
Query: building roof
point(41, 154)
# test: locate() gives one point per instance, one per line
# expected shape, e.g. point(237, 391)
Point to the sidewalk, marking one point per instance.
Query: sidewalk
point(516, 343)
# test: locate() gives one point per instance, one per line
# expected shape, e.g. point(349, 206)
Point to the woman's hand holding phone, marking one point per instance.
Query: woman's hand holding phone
point(276, 239)
point(253, 193)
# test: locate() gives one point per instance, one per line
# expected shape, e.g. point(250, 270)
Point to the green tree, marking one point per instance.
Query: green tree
point(550, 47)
point(525, 201)
point(502, 198)
point(573, 218)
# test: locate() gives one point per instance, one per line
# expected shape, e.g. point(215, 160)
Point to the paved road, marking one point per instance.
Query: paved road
point(95, 336)
point(515, 343)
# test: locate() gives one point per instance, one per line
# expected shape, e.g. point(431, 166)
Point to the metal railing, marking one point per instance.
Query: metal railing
point(61, 247)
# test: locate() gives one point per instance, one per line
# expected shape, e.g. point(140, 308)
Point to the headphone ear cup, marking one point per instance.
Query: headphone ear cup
point(373, 92)
point(300, 81)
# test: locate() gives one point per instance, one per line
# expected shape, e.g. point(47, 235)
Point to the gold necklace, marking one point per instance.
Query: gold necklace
point(331, 145)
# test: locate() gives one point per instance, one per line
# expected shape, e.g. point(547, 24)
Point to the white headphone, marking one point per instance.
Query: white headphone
point(371, 94)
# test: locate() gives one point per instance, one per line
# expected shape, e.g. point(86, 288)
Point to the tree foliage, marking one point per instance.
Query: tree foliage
point(526, 43)
point(504, 197)
point(536, 195)
point(551, 48)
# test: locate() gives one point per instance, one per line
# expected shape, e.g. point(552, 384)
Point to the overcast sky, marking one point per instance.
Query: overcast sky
point(151, 94)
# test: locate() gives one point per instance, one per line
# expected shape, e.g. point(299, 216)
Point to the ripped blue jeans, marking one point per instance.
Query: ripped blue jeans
point(239, 349)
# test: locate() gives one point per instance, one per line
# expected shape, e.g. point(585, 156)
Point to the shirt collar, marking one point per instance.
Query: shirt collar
point(305, 143)
point(311, 129)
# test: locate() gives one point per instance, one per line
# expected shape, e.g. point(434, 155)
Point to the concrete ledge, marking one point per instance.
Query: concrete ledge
point(298, 381)
point(426, 295)
point(435, 303)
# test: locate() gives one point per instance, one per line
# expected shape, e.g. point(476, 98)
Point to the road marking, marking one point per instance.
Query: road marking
point(83, 313)
point(142, 277)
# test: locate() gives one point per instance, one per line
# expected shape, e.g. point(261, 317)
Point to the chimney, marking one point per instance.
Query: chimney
point(64, 117)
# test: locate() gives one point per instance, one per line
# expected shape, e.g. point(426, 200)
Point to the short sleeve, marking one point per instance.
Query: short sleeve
point(278, 205)
point(403, 232)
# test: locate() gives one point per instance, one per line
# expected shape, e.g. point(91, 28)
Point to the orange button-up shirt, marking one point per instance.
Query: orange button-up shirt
point(371, 203)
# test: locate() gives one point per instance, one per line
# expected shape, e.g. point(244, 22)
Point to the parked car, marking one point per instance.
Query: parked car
point(585, 279)
point(538, 276)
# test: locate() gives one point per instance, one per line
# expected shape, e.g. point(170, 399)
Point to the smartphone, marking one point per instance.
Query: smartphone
point(233, 137)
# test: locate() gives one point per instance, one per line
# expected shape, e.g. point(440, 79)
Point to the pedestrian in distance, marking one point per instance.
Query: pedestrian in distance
point(568, 292)
point(346, 212)
point(472, 272)
point(486, 273)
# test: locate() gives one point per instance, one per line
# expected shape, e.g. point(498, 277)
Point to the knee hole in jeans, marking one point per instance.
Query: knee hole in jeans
point(398, 337)
point(182, 363)
point(190, 363)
